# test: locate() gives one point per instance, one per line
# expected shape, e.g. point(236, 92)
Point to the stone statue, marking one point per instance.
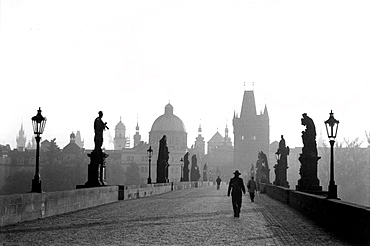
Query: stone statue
point(282, 164)
point(205, 176)
point(162, 162)
point(309, 159)
point(194, 174)
point(97, 169)
point(186, 167)
point(99, 127)
point(263, 171)
point(309, 136)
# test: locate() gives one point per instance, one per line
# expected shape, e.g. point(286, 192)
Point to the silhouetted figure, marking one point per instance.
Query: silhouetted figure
point(236, 187)
point(308, 171)
point(309, 136)
point(263, 171)
point(282, 164)
point(252, 188)
point(186, 167)
point(218, 182)
point(99, 127)
point(97, 169)
point(162, 162)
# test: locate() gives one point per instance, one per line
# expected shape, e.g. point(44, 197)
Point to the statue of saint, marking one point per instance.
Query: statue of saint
point(99, 127)
point(309, 136)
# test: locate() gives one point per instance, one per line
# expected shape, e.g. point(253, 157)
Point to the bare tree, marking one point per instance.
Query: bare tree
point(351, 171)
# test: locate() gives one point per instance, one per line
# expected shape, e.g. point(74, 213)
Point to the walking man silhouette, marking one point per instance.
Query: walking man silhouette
point(236, 187)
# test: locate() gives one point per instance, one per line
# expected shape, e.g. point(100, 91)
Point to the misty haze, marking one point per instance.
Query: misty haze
point(169, 101)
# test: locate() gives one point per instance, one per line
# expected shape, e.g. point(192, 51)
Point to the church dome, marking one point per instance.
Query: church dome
point(168, 121)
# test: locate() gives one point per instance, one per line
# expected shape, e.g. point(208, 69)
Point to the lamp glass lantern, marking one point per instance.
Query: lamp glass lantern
point(38, 123)
point(150, 152)
point(332, 126)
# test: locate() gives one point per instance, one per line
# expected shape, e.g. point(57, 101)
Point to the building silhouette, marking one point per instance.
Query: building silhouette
point(21, 140)
point(120, 140)
point(251, 133)
point(172, 126)
point(219, 156)
point(137, 136)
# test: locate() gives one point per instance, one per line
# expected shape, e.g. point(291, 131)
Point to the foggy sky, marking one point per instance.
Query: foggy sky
point(130, 58)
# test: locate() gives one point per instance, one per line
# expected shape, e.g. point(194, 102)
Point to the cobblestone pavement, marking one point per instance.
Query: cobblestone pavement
point(201, 216)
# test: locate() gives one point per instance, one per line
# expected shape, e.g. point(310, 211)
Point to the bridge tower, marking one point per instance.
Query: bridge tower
point(251, 133)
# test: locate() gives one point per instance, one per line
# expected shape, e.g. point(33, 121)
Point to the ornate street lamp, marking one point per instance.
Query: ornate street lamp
point(150, 154)
point(331, 129)
point(181, 161)
point(38, 123)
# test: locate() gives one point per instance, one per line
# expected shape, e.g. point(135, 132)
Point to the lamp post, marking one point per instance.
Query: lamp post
point(150, 154)
point(331, 129)
point(181, 161)
point(38, 123)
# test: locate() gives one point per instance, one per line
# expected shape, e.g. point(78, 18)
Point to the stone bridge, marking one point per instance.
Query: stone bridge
point(199, 216)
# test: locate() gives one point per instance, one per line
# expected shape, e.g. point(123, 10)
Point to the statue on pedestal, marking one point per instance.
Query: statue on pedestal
point(263, 171)
point(97, 169)
point(309, 159)
point(194, 174)
point(162, 162)
point(282, 164)
point(205, 176)
point(186, 167)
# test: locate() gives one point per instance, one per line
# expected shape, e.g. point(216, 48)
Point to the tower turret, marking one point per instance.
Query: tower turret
point(21, 139)
point(120, 136)
point(137, 136)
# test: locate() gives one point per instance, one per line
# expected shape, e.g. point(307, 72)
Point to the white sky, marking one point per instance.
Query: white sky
point(128, 58)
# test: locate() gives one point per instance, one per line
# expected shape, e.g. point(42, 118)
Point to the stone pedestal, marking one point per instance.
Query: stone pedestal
point(281, 174)
point(96, 170)
point(308, 171)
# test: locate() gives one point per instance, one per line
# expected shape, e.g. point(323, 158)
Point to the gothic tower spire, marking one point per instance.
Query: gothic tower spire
point(137, 136)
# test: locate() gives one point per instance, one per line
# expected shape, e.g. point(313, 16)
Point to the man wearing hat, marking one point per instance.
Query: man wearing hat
point(236, 187)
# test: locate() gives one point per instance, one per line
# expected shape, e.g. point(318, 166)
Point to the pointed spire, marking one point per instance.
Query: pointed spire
point(265, 113)
point(248, 106)
point(137, 123)
point(199, 130)
point(226, 131)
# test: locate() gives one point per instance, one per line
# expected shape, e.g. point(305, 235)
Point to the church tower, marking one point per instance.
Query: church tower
point(120, 136)
point(137, 136)
point(251, 133)
point(21, 139)
point(199, 146)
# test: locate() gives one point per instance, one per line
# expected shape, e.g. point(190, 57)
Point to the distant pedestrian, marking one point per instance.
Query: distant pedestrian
point(236, 187)
point(218, 181)
point(252, 187)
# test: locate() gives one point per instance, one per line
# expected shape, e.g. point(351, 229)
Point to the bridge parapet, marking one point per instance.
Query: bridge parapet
point(22, 207)
point(30, 206)
point(344, 217)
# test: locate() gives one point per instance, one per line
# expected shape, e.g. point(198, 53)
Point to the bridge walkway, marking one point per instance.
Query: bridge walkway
point(199, 216)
